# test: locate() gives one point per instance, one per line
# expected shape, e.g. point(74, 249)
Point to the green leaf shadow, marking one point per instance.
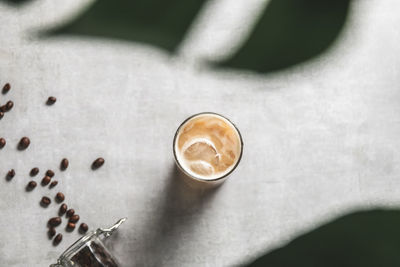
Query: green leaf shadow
point(16, 2)
point(290, 32)
point(156, 22)
point(361, 239)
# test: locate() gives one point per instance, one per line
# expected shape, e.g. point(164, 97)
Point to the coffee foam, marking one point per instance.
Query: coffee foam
point(207, 146)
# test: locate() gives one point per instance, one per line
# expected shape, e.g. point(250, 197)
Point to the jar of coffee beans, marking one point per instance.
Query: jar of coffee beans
point(89, 250)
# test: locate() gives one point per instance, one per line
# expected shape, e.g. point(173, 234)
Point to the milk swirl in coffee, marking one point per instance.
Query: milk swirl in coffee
point(207, 146)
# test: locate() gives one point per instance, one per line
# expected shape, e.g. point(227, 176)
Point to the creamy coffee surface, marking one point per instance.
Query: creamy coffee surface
point(207, 146)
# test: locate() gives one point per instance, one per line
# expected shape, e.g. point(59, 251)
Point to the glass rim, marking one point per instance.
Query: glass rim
point(198, 178)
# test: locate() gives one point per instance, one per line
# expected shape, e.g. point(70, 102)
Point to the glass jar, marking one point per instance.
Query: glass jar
point(89, 250)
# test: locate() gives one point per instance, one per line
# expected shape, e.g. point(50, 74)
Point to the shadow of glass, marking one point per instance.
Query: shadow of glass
point(360, 239)
point(176, 215)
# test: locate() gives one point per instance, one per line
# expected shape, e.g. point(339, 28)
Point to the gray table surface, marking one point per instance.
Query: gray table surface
point(321, 139)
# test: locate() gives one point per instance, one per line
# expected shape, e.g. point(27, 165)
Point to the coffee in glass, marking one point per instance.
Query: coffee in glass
point(207, 147)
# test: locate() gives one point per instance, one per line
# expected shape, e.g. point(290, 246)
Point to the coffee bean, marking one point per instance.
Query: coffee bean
point(83, 228)
point(60, 197)
point(57, 239)
point(50, 173)
point(6, 88)
point(51, 100)
point(11, 173)
point(74, 218)
point(3, 108)
point(9, 105)
point(31, 185)
point(34, 171)
point(97, 163)
point(70, 212)
point(70, 226)
point(2, 142)
point(51, 232)
point(46, 180)
point(1, 114)
point(53, 184)
point(45, 201)
point(55, 221)
point(63, 209)
point(64, 164)
point(24, 143)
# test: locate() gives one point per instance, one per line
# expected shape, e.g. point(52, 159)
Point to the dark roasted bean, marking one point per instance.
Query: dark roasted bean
point(2, 142)
point(60, 197)
point(71, 226)
point(83, 228)
point(53, 184)
point(51, 232)
point(55, 221)
point(57, 239)
point(74, 218)
point(46, 180)
point(51, 100)
point(8, 106)
point(24, 143)
point(63, 209)
point(11, 173)
point(70, 212)
point(1, 114)
point(50, 173)
point(3, 108)
point(45, 201)
point(6, 88)
point(64, 164)
point(31, 185)
point(97, 163)
point(34, 171)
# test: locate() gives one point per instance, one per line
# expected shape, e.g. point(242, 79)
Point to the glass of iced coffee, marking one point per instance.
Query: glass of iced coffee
point(207, 147)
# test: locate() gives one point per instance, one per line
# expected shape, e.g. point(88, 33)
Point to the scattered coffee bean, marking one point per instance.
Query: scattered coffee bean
point(6, 88)
point(9, 105)
point(64, 164)
point(70, 226)
point(57, 239)
point(83, 228)
point(51, 232)
point(63, 209)
point(60, 197)
point(31, 185)
point(45, 201)
point(46, 180)
point(2, 142)
point(70, 212)
point(3, 108)
point(51, 100)
point(1, 114)
point(50, 173)
point(34, 171)
point(97, 163)
point(55, 221)
point(74, 218)
point(24, 143)
point(11, 173)
point(53, 184)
